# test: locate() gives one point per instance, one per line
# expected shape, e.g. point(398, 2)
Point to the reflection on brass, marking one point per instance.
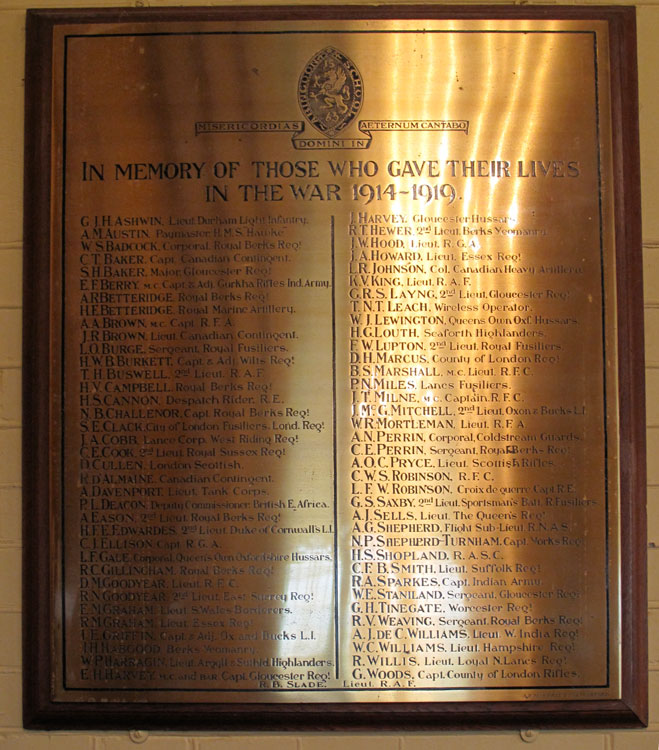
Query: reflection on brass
point(339, 418)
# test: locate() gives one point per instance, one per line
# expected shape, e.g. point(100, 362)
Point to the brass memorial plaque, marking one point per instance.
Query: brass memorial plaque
point(334, 361)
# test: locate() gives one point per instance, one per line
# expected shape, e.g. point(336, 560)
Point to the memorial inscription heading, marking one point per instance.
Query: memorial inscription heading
point(338, 320)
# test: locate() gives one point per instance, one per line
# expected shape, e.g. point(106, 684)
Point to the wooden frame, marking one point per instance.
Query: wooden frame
point(41, 400)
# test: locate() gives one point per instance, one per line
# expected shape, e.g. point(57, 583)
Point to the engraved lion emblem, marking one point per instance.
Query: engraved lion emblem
point(330, 91)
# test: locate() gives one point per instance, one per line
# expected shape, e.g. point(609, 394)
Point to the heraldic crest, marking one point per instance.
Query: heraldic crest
point(330, 91)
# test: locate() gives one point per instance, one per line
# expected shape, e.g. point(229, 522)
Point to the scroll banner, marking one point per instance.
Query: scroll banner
point(315, 144)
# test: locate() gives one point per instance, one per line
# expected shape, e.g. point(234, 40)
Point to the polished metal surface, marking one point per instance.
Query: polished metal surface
point(338, 415)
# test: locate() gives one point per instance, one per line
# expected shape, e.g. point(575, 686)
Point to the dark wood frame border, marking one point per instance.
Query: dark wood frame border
point(40, 712)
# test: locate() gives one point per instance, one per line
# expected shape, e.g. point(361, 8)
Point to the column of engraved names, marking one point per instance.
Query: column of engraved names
point(396, 561)
point(118, 396)
point(461, 496)
point(195, 558)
